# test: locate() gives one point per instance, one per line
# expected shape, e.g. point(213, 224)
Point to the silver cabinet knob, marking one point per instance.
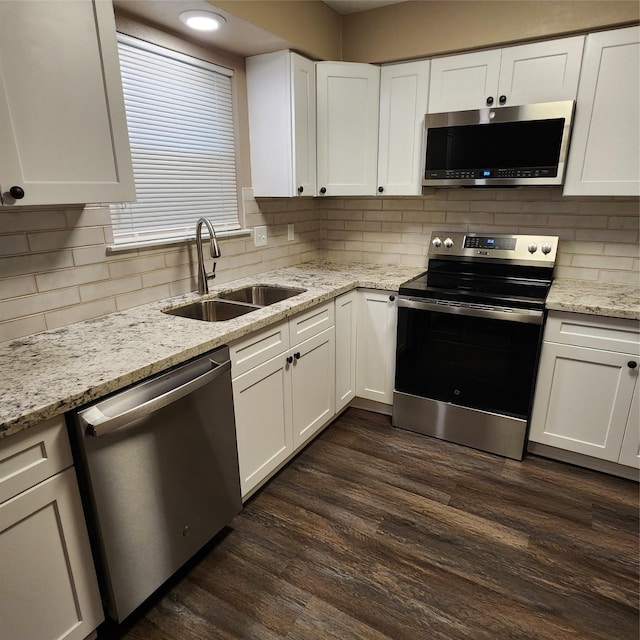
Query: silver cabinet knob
point(448, 243)
point(533, 247)
point(546, 248)
point(436, 242)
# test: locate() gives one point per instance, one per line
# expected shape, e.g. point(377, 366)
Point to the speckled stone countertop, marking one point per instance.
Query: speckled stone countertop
point(49, 373)
point(595, 298)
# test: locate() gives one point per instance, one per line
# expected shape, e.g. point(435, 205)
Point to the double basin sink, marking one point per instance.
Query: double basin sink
point(232, 304)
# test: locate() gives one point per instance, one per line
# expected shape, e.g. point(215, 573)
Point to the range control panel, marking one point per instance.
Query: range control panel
point(497, 246)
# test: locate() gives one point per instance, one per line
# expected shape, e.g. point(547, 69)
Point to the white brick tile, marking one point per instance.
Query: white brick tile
point(15, 222)
point(620, 277)
point(469, 217)
point(109, 288)
point(616, 249)
point(24, 326)
point(11, 245)
point(95, 253)
point(38, 303)
point(607, 235)
point(360, 225)
point(88, 217)
point(519, 219)
point(18, 286)
point(602, 262)
point(35, 263)
point(68, 277)
point(132, 266)
point(77, 313)
point(136, 298)
point(53, 240)
point(403, 204)
point(576, 273)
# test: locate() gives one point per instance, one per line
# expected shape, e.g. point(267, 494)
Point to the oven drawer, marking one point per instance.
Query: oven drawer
point(596, 332)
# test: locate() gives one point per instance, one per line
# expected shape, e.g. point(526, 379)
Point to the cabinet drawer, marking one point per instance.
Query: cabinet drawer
point(257, 348)
point(612, 334)
point(32, 456)
point(311, 322)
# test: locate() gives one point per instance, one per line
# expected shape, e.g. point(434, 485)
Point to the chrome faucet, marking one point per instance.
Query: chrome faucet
point(203, 276)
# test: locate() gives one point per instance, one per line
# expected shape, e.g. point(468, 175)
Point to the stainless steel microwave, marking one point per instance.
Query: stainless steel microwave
point(504, 146)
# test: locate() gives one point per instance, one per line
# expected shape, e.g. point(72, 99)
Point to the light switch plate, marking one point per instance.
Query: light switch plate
point(260, 236)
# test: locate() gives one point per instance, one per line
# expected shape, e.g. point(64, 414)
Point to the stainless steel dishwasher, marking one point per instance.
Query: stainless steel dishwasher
point(159, 467)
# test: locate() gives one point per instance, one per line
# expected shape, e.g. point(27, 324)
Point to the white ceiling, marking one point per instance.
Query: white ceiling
point(353, 6)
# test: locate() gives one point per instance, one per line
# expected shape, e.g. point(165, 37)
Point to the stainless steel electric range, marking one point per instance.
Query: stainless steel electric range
point(469, 336)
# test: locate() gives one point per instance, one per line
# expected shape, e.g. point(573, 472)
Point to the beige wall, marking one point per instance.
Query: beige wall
point(310, 26)
point(428, 28)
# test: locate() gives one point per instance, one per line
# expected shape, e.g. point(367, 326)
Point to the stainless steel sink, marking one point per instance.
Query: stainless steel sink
point(211, 310)
point(261, 294)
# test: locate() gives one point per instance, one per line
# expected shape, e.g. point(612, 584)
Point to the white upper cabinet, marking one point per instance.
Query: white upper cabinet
point(604, 158)
point(526, 74)
point(281, 92)
point(404, 92)
point(63, 132)
point(348, 97)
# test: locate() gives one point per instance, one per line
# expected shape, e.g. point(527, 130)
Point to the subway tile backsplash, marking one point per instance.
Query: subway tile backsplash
point(54, 268)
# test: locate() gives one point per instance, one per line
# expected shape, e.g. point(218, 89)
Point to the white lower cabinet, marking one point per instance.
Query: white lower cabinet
point(586, 395)
point(283, 391)
point(346, 332)
point(376, 345)
point(49, 587)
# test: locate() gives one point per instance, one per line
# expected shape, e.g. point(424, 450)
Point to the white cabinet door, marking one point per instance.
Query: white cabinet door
point(313, 385)
point(376, 345)
point(630, 451)
point(582, 400)
point(262, 402)
point(49, 589)
point(63, 132)
point(348, 97)
point(540, 72)
point(281, 95)
point(525, 74)
point(404, 93)
point(466, 81)
point(604, 159)
point(346, 331)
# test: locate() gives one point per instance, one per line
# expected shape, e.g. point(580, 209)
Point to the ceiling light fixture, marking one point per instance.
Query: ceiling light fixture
point(202, 20)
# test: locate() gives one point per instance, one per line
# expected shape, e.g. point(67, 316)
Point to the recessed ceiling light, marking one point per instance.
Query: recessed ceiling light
point(202, 20)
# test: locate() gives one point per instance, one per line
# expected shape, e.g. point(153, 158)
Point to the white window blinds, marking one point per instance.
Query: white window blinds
point(180, 121)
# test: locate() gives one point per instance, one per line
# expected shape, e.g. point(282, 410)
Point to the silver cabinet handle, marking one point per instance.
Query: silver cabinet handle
point(98, 424)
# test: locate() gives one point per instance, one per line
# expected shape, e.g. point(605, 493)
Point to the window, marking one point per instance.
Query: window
point(180, 120)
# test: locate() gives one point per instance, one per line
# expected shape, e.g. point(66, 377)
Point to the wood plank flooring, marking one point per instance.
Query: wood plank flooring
point(375, 533)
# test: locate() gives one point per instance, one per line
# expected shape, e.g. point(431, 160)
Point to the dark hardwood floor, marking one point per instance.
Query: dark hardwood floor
point(374, 533)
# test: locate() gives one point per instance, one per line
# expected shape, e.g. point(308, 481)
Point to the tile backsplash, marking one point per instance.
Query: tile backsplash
point(55, 269)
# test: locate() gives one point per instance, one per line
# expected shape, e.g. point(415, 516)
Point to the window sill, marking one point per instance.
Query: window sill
point(122, 247)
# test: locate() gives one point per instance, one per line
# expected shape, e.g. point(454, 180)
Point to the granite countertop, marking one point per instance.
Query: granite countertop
point(49, 373)
point(46, 374)
point(595, 298)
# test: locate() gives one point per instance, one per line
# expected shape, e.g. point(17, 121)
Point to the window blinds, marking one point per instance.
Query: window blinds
point(180, 120)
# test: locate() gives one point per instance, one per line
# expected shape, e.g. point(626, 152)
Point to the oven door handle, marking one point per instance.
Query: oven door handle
point(529, 316)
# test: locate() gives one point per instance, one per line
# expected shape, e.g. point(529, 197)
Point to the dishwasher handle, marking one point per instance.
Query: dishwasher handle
point(98, 424)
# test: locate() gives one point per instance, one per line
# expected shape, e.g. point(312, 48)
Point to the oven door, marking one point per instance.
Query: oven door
point(471, 355)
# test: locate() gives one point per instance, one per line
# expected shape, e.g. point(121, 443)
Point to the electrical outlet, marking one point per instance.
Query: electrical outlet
point(260, 236)
point(290, 235)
